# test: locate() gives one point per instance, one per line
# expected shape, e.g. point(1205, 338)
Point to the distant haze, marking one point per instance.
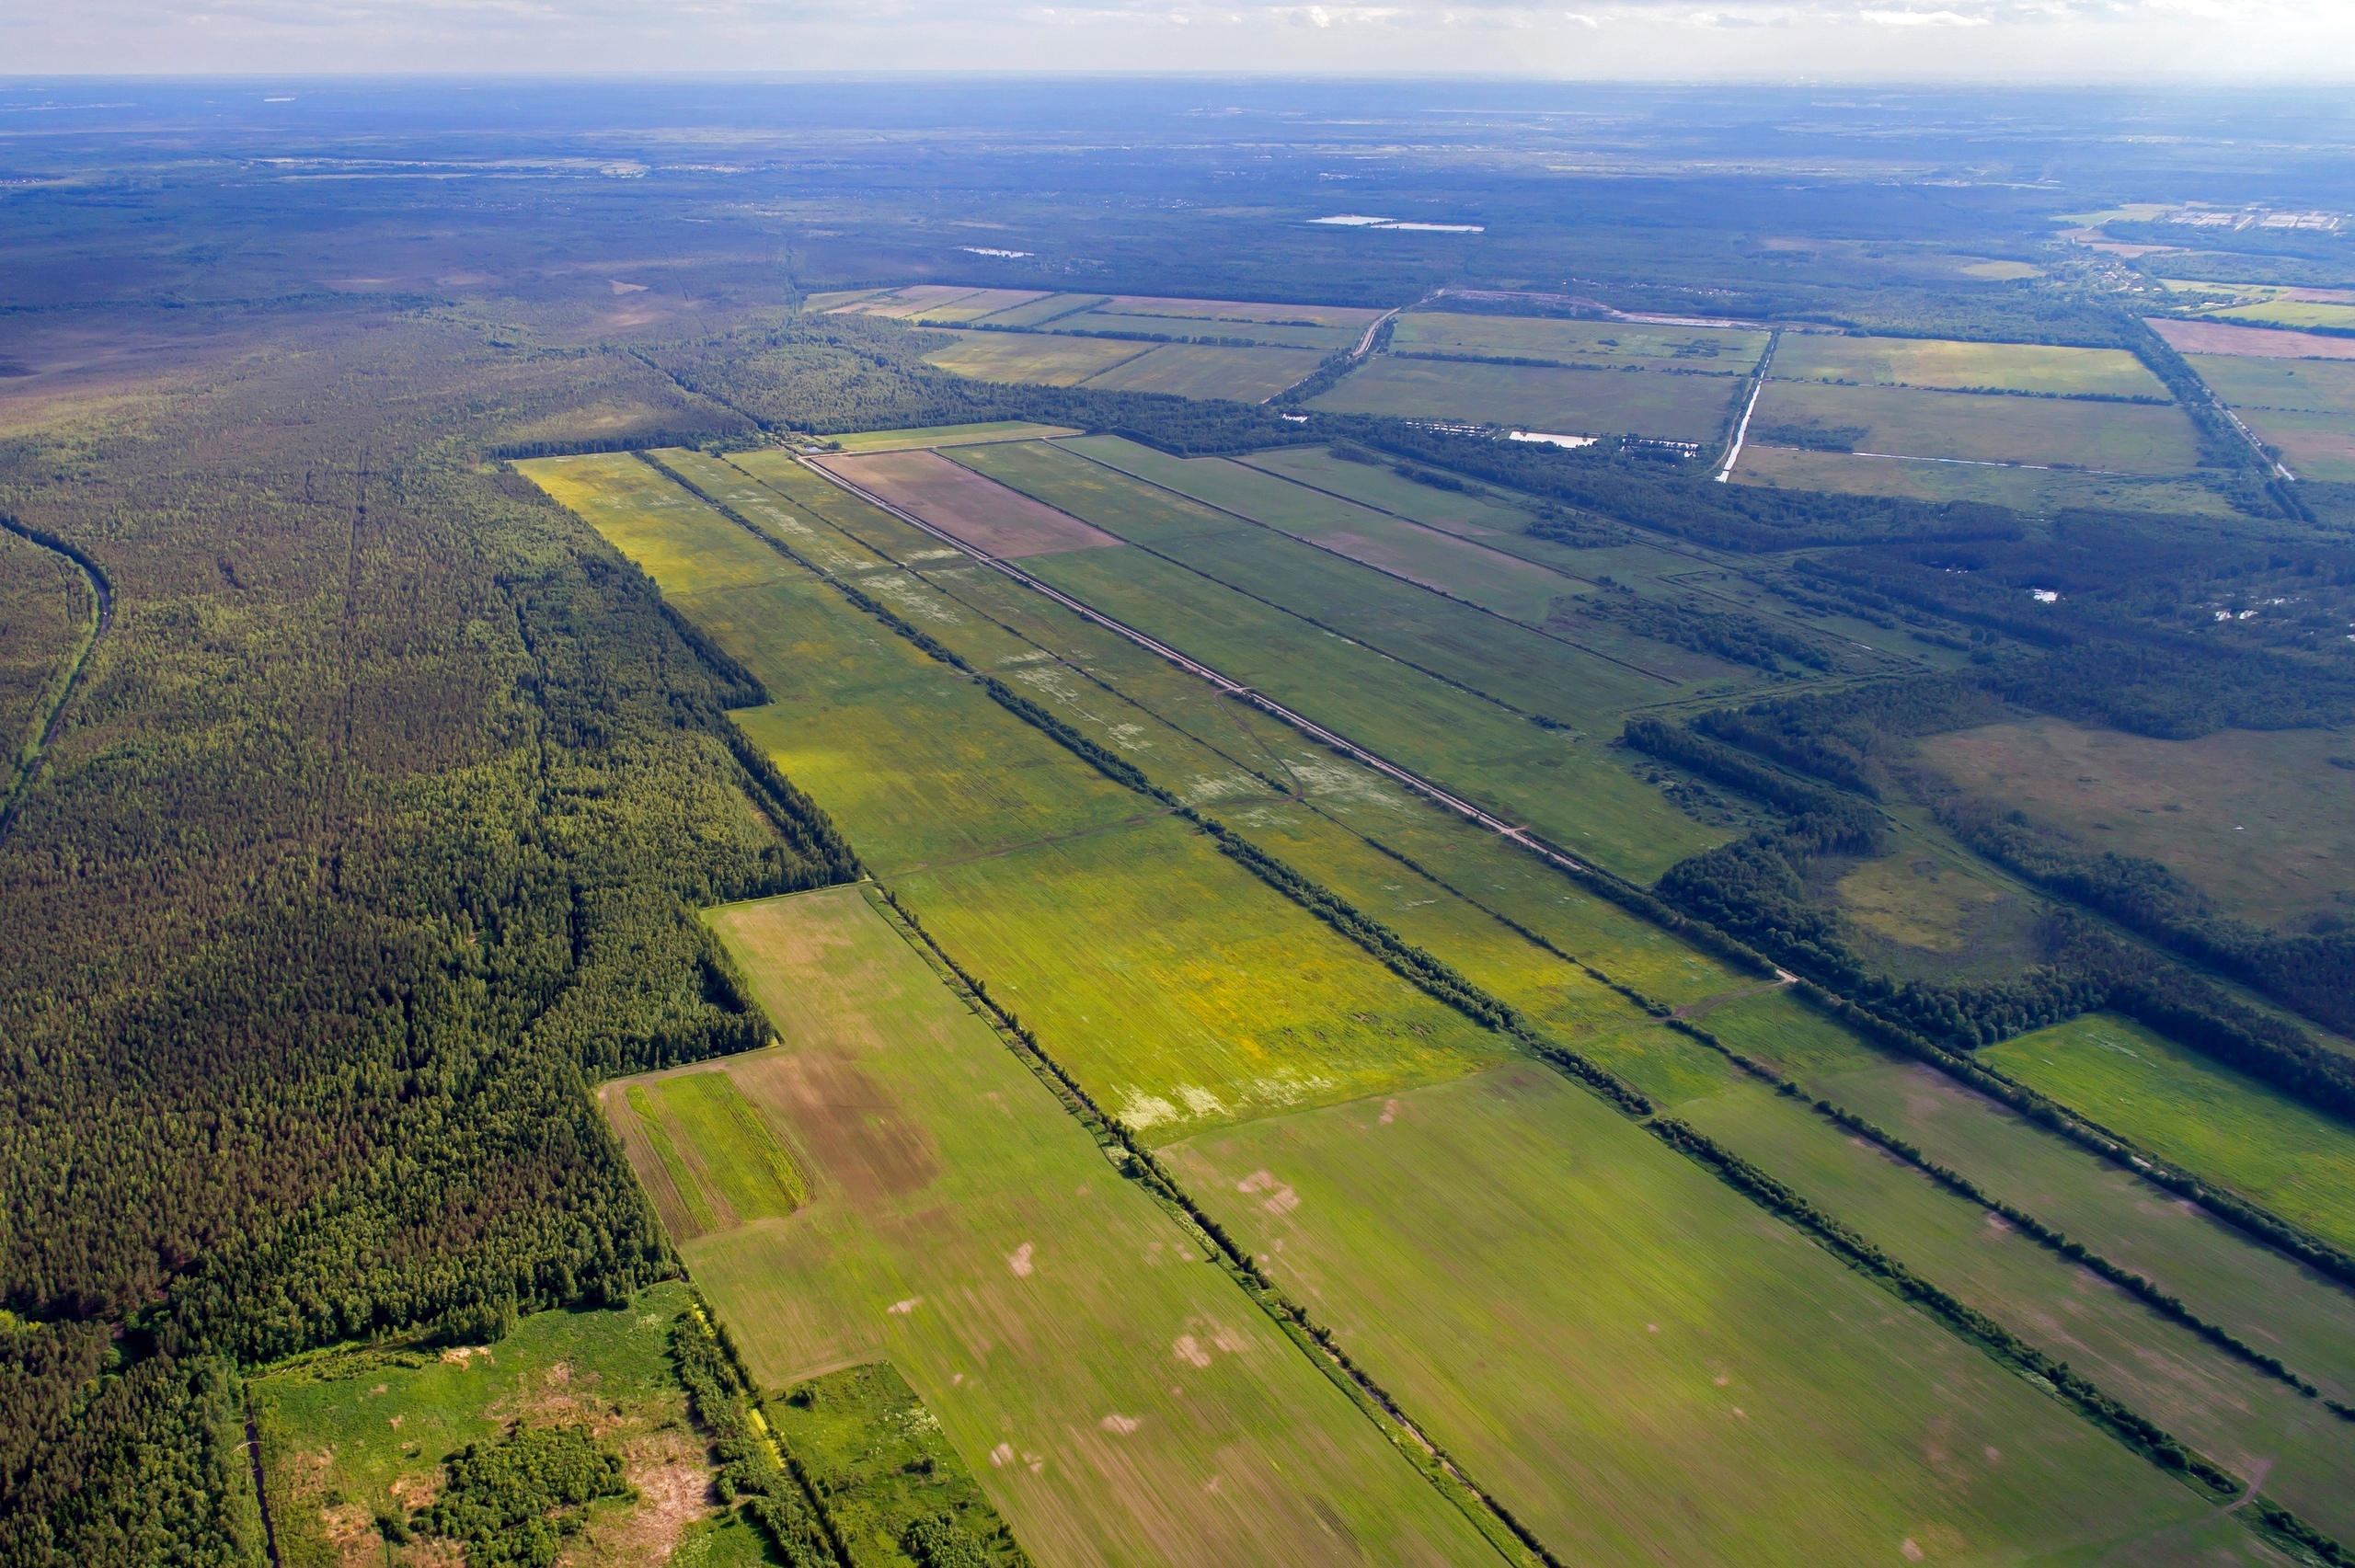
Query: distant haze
point(2110, 40)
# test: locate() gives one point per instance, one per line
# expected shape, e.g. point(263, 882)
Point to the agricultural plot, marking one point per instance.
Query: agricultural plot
point(949, 435)
point(2253, 1424)
point(1196, 370)
point(350, 1432)
point(1566, 790)
point(2113, 437)
point(1634, 1360)
point(1031, 358)
point(2224, 1125)
point(2311, 386)
point(1239, 312)
point(1473, 512)
point(1610, 343)
point(975, 305)
point(1178, 989)
point(718, 1164)
point(2255, 342)
point(1040, 310)
point(2256, 1292)
point(2297, 315)
point(1116, 1397)
point(1538, 398)
point(1933, 363)
point(2256, 819)
point(916, 299)
point(2032, 491)
point(2314, 446)
point(988, 515)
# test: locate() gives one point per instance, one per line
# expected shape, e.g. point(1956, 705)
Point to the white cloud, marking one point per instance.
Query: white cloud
point(1922, 20)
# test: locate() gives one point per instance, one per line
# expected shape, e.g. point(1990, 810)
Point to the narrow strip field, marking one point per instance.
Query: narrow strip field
point(1118, 1398)
point(1642, 1367)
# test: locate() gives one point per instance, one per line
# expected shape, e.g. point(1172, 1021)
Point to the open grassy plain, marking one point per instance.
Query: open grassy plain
point(1118, 1399)
point(2256, 1292)
point(1201, 369)
point(351, 1432)
point(1040, 311)
point(1538, 398)
point(2025, 489)
point(2298, 314)
point(1933, 363)
point(949, 435)
point(2256, 819)
point(2314, 386)
point(2224, 1125)
point(1611, 343)
point(2314, 446)
point(2127, 438)
point(1033, 358)
point(1205, 316)
point(1637, 1362)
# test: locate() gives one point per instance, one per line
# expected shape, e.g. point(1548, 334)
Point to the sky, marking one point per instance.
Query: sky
point(1963, 41)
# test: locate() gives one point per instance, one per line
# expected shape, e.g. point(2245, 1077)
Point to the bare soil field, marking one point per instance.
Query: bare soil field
point(981, 511)
point(2262, 342)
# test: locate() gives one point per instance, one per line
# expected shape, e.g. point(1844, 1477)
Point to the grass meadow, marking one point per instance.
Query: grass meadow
point(1537, 397)
point(949, 435)
point(1033, 358)
point(1473, 512)
point(1204, 318)
point(2128, 437)
point(2314, 386)
point(1570, 790)
point(2256, 819)
point(1118, 1399)
point(2224, 1126)
point(1201, 369)
point(2314, 446)
point(1612, 343)
point(2256, 1427)
point(348, 1432)
point(1636, 1361)
point(2256, 1292)
point(1933, 362)
point(1180, 989)
point(2031, 490)
point(1045, 310)
point(2296, 313)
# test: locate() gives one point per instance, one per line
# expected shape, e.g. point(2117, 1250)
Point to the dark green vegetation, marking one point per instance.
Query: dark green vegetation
point(513, 1501)
point(374, 831)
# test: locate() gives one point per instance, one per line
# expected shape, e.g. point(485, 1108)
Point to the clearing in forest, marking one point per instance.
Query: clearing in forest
point(1935, 362)
point(1115, 1394)
point(1538, 398)
point(1640, 1365)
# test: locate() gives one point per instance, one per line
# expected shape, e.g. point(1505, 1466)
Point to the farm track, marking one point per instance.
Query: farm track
point(102, 593)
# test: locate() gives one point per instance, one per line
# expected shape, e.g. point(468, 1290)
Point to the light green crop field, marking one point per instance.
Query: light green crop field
point(2293, 314)
point(1031, 358)
point(1929, 361)
point(744, 1168)
point(348, 1432)
point(1180, 991)
point(949, 435)
point(975, 305)
point(2314, 446)
point(1118, 1400)
point(1203, 317)
point(2218, 1271)
point(1569, 790)
point(913, 761)
point(2220, 1124)
point(1512, 663)
point(1043, 310)
point(2255, 1425)
point(2030, 490)
point(1537, 397)
point(1611, 342)
point(912, 300)
point(1201, 370)
point(2256, 819)
point(1475, 512)
point(1288, 331)
point(2314, 386)
point(1636, 1361)
point(2127, 438)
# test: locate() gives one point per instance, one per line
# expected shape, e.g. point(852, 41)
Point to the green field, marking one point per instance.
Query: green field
point(1197, 370)
point(2220, 1124)
point(1606, 342)
point(1473, 511)
point(1179, 991)
point(2301, 313)
point(2315, 387)
point(2253, 1424)
point(2314, 446)
point(2023, 489)
point(722, 1162)
point(1933, 362)
point(1091, 1369)
point(977, 304)
point(1640, 1365)
point(1204, 316)
point(949, 435)
point(2254, 1291)
point(1537, 397)
point(2127, 438)
point(1032, 358)
point(2256, 819)
point(347, 1433)
point(1044, 309)
point(1566, 789)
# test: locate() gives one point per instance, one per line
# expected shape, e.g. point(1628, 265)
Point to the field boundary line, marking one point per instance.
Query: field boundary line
point(101, 620)
point(1328, 550)
point(1757, 388)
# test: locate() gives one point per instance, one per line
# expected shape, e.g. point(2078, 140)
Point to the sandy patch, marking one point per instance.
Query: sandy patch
point(1018, 1262)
